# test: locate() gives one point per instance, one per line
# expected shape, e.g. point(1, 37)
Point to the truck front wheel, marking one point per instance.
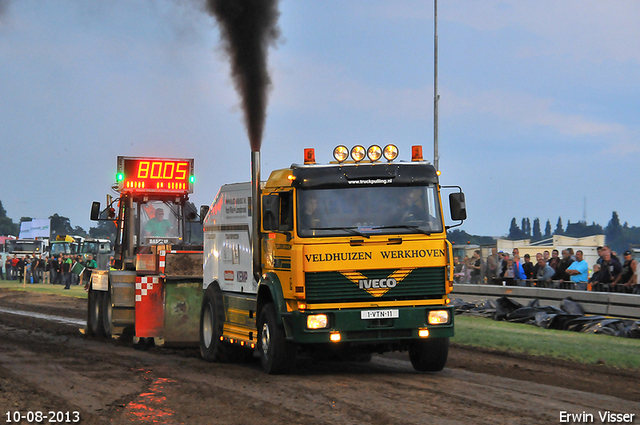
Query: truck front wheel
point(429, 355)
point(276, 354)
point(212, 348)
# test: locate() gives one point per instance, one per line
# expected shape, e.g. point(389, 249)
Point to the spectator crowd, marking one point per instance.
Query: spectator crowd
point(550, 270)
point(64, 269)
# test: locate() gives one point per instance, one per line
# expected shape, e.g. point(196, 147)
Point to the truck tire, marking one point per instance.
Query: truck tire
point(276, 354)
point(94, 324)
point(107, 313)
point(212, 348)
point(429, 355)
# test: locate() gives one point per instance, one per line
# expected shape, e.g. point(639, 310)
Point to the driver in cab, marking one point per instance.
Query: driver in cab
point(412, 207)
point(158, 226)
point(309, 216)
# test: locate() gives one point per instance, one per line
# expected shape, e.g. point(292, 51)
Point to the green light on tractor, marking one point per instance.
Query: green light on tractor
point(120, 177)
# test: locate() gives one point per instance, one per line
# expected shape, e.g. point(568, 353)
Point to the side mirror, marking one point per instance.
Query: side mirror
point(271, 212)
point(95, 211)
point(458, 206)
point(204, 210)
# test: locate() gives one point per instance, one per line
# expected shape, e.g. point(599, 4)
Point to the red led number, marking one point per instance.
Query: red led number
point(181, 171)
point(163, 170)
point(143, 170)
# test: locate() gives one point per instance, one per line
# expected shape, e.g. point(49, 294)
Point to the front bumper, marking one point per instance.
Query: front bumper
point(354, 329)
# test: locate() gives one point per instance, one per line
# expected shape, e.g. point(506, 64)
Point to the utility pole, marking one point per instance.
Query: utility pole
point(436, 97)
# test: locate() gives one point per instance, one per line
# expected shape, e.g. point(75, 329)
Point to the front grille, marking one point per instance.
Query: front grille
point(331, 287)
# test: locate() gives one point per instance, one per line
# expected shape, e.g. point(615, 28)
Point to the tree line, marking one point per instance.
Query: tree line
point(620, 237)
point(60, 225)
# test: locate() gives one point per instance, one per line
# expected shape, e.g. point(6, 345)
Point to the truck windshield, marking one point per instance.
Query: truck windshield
point(160, 223)
point(90, 248)
point(62, 248)
point(368, 211)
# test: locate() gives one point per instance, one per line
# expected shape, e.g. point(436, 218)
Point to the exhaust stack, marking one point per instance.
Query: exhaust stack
point(256, 243)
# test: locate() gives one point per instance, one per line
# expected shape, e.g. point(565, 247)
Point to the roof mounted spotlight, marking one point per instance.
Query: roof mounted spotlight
point(390, 152)
point(374, 152)
point(358, 153)
point(341, 153)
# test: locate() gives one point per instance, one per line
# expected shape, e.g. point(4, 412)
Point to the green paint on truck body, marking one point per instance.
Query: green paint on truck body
point(183, 301)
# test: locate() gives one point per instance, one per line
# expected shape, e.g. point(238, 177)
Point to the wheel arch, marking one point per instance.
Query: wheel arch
point(215, 285)
point(270, 291)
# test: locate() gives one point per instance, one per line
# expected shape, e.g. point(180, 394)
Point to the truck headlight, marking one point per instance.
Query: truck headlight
point(438, 317)
point(317, 321)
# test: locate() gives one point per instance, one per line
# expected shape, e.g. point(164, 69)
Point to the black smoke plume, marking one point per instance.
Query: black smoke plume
point(4, 5)
point(248, 28)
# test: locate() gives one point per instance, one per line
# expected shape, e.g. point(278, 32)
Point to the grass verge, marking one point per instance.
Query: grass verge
point(76, 291)
point(574, 346)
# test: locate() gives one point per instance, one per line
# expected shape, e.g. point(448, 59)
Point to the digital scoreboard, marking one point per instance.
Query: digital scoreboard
point(157, 175)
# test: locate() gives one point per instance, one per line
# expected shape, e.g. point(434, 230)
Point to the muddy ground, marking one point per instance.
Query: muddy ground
point(52, 367)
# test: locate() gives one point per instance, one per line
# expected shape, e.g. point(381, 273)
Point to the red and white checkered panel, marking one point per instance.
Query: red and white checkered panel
point(162, 260)
point(144, 286)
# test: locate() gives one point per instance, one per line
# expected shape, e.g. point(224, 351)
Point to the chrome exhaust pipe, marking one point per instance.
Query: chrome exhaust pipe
point(256, 245)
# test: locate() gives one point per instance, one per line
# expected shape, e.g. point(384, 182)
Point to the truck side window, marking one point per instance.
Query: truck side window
point(286, 211)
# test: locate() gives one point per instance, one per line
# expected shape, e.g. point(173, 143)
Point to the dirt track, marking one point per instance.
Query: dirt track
point(52, 367)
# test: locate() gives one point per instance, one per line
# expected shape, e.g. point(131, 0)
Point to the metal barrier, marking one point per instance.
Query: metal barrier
point(561, 284)
point(600, 303)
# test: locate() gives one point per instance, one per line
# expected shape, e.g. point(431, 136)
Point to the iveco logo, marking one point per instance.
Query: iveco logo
point(377, 287)
point(377, 283)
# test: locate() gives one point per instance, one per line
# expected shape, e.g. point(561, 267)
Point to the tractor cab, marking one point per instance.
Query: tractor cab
point(152, 212)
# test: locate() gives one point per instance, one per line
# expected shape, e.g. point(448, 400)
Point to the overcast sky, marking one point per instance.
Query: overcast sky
point(539, 106)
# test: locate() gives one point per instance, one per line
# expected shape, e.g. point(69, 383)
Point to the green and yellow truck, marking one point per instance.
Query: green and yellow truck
point(348, 258)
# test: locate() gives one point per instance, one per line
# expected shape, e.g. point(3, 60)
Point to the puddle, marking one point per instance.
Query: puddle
point(149, 406)
point(49, 317)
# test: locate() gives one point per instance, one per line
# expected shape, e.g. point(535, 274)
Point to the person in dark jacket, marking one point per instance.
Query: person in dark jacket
point(19, 268)
point(610, 269)
point(554, 261)
point(595, 276)
point(627, 279)
point(35, 266)
point(562, 267)
point(528, 267)
point(54, 270)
